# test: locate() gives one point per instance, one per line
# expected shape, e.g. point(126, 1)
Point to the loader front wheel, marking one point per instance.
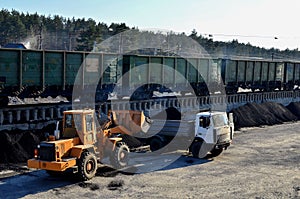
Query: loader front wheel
point(119, 157)
point(87, 166)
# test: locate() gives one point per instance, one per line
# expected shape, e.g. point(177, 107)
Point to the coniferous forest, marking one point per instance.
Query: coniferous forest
point(55, 32)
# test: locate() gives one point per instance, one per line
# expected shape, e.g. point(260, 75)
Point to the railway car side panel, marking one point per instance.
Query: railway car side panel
point(155, 69)
point(203, 77)
point(169, 72)
point(241, 72)
point(32, 73)
point(249, 74)
point(54, 69)
point(138, 71)
point(264, 74)
point(230, 76)
point(257, 83)
point(289, 76)
point(272, 76)
point(138, 77)
point(73, 63)
point(203, 69)
point(180, 77)
point(10, 70)
point(297, 74)
point(91, 69)
point(192, 74)
point(279, 75)
point(32, 68)
point(112, 72)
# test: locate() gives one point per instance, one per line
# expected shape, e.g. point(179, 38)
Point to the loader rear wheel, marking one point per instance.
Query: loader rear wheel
point(87, 166)
point(119, 157)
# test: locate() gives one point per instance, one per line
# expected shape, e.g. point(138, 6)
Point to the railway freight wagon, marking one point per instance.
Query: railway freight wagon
point(31, 73)
point(259, 75)
point(163, 74)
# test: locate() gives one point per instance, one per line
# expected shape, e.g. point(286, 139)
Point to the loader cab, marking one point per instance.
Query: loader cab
point(80, 123)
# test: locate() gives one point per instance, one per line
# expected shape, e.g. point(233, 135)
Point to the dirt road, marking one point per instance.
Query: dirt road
point(261, 163)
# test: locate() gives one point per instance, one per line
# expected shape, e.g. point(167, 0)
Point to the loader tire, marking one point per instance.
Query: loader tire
point(120, 156)
point(87, 166)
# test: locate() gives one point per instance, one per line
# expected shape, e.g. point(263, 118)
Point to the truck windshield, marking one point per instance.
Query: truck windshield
point(219, 120)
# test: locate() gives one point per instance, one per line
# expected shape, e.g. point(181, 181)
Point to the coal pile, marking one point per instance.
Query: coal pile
point(294, 107)
point(17, 146)
point(269, 113)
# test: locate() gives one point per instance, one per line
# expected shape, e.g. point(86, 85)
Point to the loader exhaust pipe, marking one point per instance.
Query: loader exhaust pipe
point(57, 131)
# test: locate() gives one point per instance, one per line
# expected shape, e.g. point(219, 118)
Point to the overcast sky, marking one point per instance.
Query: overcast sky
point(254, 21)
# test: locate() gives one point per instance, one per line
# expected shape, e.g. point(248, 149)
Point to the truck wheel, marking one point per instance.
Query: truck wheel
point(200, 149)
point(155, 144)
point(87, 166)
point(215, 152)
point(119, 158)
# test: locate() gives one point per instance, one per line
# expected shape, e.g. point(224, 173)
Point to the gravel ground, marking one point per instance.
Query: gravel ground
point(262, 163)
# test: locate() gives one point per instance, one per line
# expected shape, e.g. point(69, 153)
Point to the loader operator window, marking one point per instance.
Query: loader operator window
point(69, 121)
point(73, 121)
point(204, 122)
point(72, 125)
point(78, 122)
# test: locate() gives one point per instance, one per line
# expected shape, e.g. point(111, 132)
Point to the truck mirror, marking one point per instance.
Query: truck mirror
point(231, 118)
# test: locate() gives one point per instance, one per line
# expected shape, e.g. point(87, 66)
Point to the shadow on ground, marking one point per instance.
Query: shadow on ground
point(26, 183)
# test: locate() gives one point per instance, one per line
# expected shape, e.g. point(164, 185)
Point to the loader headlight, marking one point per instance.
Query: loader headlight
point(36, 152)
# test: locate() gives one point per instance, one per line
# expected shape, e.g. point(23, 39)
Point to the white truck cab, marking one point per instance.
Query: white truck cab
point(213, 133)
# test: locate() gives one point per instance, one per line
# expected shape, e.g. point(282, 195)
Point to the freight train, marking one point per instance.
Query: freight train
point(30, 73)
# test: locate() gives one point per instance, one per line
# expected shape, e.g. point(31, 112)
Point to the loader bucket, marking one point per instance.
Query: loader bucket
point(134, 121)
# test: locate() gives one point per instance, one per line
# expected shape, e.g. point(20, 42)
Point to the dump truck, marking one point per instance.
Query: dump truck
point(85, 139)
point(203, 134)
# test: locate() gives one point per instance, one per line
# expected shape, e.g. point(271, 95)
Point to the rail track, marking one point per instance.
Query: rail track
point(37, 116)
